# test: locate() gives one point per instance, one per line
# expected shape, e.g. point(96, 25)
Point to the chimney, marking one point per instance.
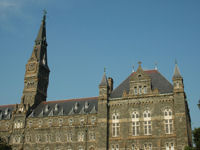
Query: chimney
point(110, 85)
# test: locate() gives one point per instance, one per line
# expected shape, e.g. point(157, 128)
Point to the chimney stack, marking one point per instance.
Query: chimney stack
point(110, 84)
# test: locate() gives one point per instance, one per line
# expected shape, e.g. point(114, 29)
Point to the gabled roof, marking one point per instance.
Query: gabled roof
point(157, 82)
point(66, 107)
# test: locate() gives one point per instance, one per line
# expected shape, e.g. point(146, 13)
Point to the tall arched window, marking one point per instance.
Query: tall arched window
point(115, 125)
point(168, 122)
point(147, 122)
point(135, 123)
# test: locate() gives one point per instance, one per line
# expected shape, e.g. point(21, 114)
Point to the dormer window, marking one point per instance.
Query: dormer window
point(46, 108)
point(56, 107)
point(86, 105)
point(6, 111)
point(76, 106)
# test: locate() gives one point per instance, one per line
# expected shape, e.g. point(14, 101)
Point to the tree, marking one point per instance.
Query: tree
point(196, 140)
point(196, 135)
point(4, 145)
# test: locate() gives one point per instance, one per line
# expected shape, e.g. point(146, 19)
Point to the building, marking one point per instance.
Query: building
point(145, 112)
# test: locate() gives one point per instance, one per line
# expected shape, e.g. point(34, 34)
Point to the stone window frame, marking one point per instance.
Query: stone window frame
point(148, 146)
point(28, 138)
point(80, 148)
point(135, 123)
point(147, 122)
point(93, 120)
point(168, 121)
point(134, 146)
point(69, 137)
point(80, 136)
point(82, 119)
point(48, 138)
point(115, 147)
point(40, 123)
point(70, 120)
point(58, 137)
point(17, 139)
point(92, 136)
point(38, 138)
point(169, 146)
point(115, 125)
point(50, 122)
point(60, 121)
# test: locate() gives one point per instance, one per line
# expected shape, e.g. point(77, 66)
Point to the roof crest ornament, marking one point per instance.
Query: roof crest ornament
point(156, 66)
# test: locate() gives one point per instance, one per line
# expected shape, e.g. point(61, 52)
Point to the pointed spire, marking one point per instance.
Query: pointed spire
point(104, 81)
point(176, 71)
point(42, 32)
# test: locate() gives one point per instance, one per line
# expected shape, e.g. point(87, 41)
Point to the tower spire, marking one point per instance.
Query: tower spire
point(42, 32)
point(177, 73)
point(37, 71)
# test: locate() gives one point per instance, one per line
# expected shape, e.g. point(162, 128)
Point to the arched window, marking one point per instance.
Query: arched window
point(169, 146)
point(135, 123)
point(80, 136)
point(147, 122)
point(147, 146)
point(115, 147)
point(168, 122)
point(115, 125)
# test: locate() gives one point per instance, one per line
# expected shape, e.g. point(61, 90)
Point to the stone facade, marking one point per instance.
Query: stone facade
point(145, 112)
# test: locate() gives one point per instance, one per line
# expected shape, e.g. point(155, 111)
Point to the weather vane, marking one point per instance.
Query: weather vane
point(44, 11)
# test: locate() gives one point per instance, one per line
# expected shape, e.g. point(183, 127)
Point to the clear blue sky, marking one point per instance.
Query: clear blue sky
point(84, 36)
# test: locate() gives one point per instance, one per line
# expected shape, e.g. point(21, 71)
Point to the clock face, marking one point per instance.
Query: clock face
point(31, 67)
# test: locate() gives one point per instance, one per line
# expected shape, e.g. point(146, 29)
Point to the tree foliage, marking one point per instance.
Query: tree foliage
point(196, 140)
point(196, 136)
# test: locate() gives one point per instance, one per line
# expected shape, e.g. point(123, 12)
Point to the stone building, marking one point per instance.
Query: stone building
point(145, 112)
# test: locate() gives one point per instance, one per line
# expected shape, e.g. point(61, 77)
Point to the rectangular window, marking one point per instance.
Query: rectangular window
point(140, 90)
point(135, 90)
point(168, 126)
point(169, 146)
point(115, 129)
point(69, 137)
point(147, 128)
point(136, 126)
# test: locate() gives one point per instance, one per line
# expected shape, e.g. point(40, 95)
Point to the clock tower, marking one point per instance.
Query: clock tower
point(37, 71)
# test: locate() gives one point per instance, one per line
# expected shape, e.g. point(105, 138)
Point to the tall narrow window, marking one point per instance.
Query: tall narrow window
point(115, 147)
point(145, 89)
point(147, 146)
point(115, 125)
point(140, 90)
point(135, 123)
point(135, 90)
point(69, 137)
point(147, 123)
point(169, 146)
point(80, 136)
point(168, 122)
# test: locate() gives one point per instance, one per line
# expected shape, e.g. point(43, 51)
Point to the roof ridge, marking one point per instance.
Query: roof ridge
point(74, 99)
point(7, 105)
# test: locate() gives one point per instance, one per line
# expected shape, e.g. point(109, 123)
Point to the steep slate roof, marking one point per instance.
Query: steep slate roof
point(6, 111)
point(66, 107)
point(157, 81)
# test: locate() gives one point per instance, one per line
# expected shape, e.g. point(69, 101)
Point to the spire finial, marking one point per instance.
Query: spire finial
point(44, 14)
point(133, 69)
point(139, 63)
point(104, 69)
point(176, 62)
point(156, 66)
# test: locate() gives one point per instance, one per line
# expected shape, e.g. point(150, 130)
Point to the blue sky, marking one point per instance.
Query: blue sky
point(84, 36)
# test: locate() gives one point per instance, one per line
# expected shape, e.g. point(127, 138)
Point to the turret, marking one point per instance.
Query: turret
point(104, 87)
point(177, 80)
